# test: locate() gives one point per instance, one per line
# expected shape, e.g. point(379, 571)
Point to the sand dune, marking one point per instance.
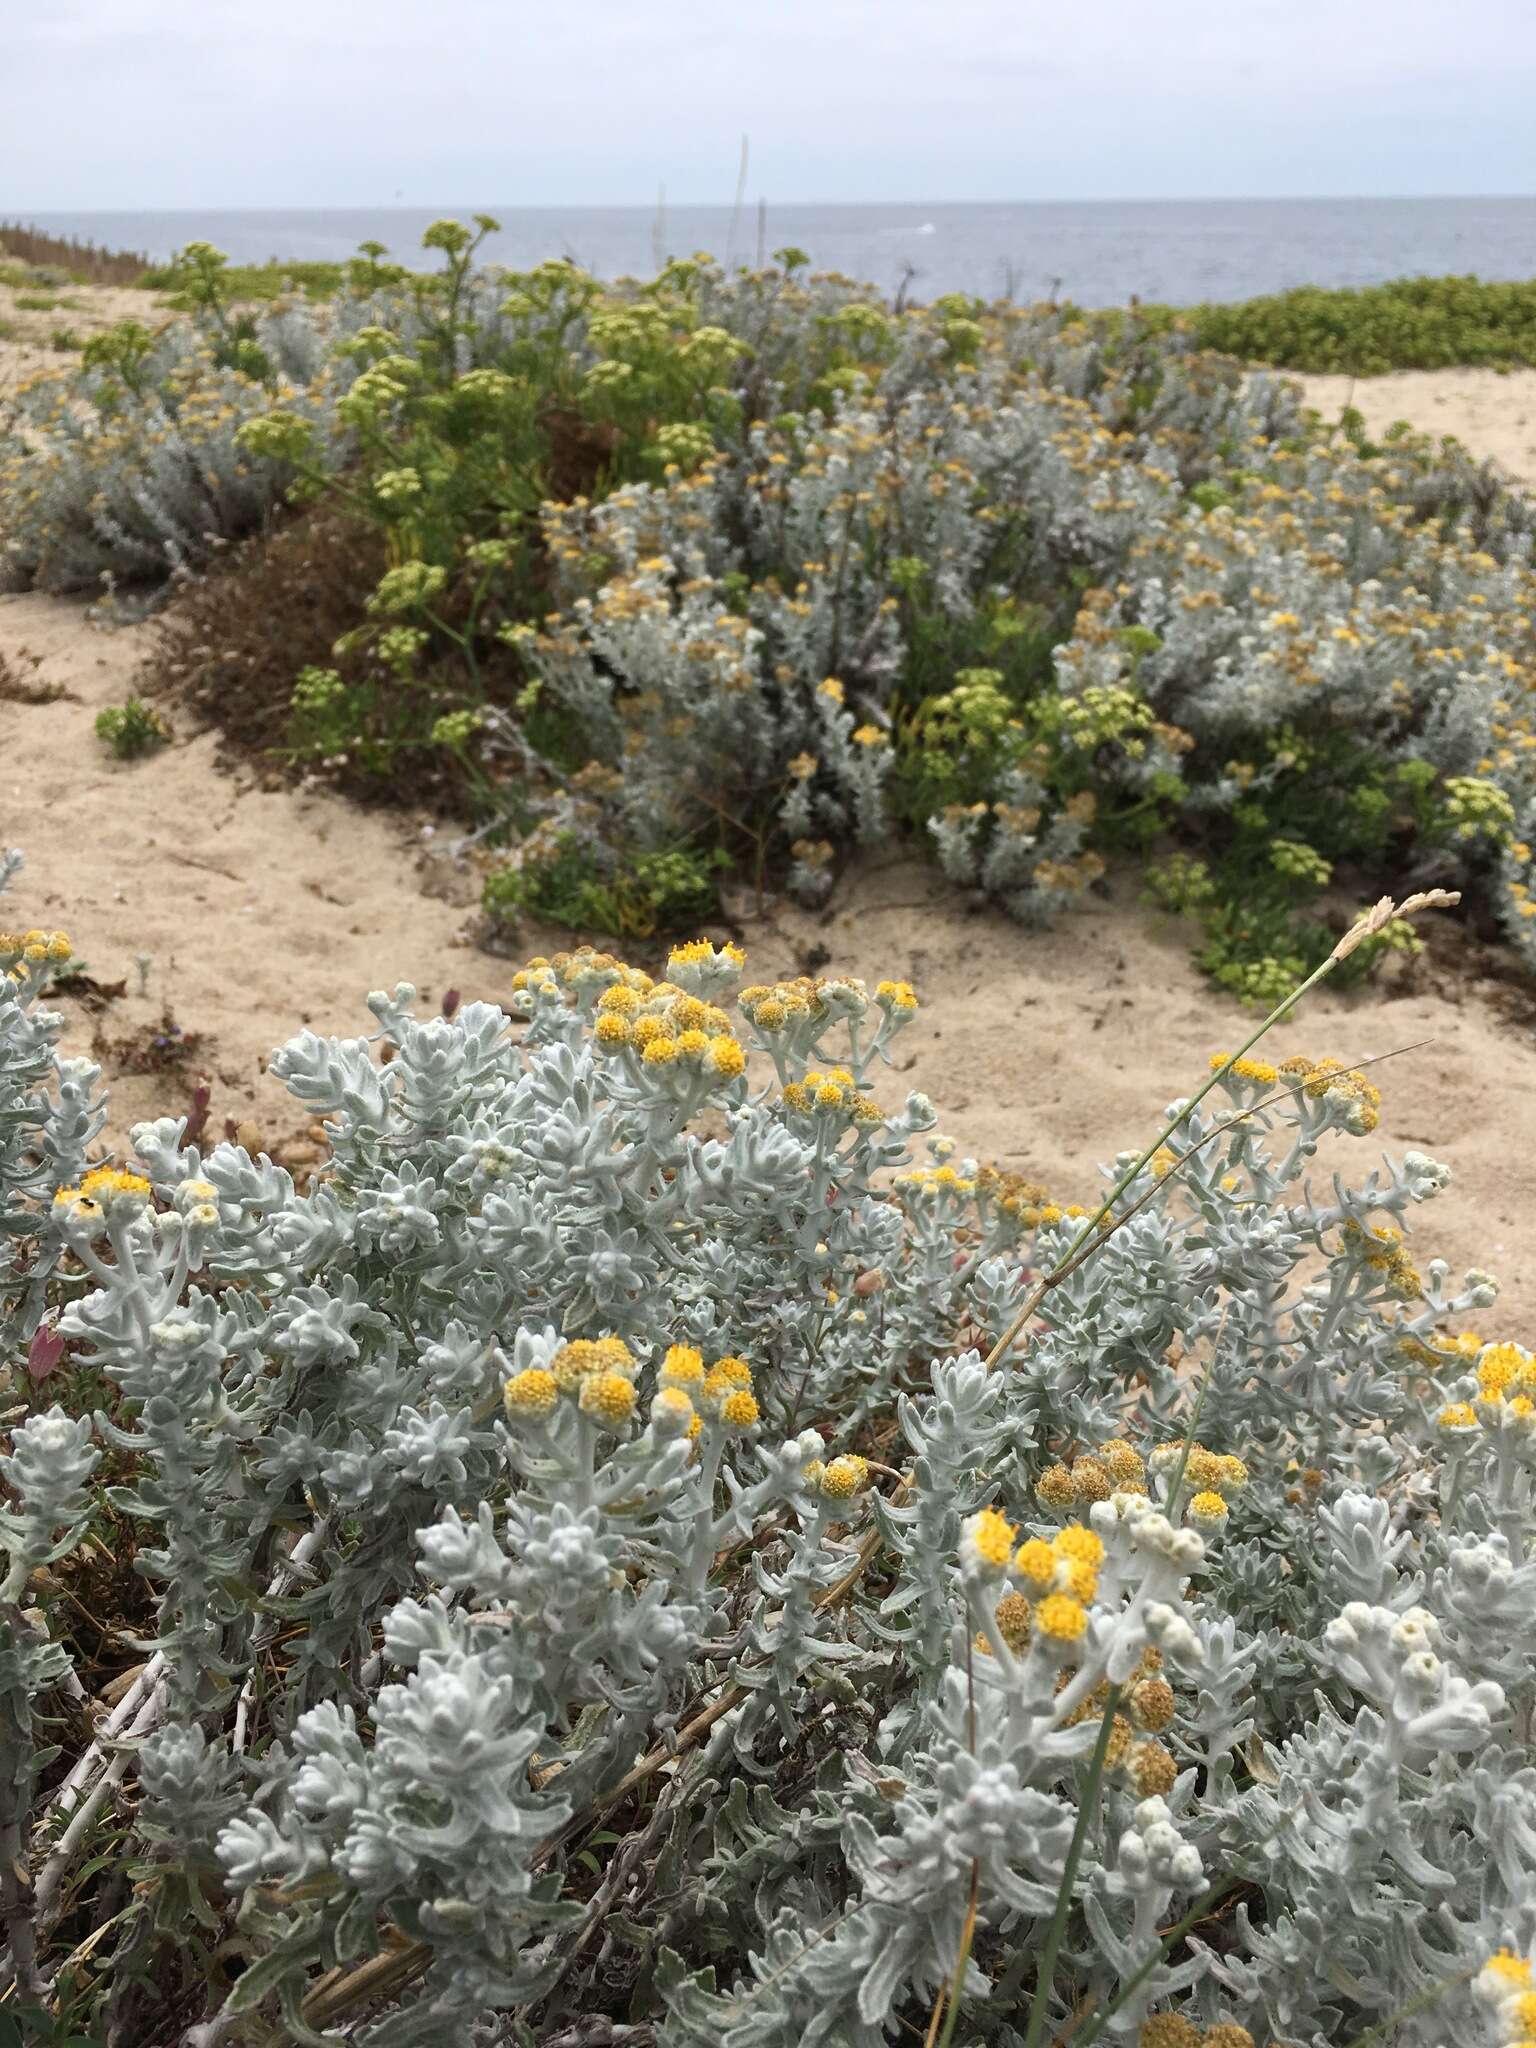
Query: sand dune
point(255, 911)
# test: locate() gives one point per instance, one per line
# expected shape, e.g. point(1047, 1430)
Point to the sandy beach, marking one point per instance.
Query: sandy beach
point(1492, 412)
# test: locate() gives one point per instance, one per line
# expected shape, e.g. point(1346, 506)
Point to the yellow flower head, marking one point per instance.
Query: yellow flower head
point(682, 1367)
point(573, 1362)
point(987, 1540)
point(612, 1354)
point(726, 1056)
point(1499, 1368)
point(608, 1397)
point(1077, 1578)
point(1078, 1543)
point(1035, 1563)
point(618, 1001)
point(1061, 1618)
point(896, 996)
point(672, 1413)
point(739, 1409)
point(1507, 1970)
point(1208, 1511)
point(843, 1477)
point(532, 1393)
point(1202, 1468)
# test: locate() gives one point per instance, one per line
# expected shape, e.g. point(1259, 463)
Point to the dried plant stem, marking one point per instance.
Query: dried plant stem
point(1091, 1236)
point(52, 1873)
point(65, 1794)
point(292, 1567)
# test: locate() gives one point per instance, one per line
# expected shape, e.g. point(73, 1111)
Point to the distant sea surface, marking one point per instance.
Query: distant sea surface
point(1099, 253)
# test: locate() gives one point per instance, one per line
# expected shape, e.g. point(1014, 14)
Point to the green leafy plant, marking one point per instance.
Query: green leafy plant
point(635, 896)
point(131, 729)
point(1411, 323)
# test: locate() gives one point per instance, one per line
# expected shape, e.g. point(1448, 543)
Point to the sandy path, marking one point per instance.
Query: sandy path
point(258, 910)
point(263, 910)
point(26, 332)
point(1492, 411)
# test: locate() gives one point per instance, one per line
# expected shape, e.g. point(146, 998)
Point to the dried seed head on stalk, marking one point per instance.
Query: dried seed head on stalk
point(1382, 913)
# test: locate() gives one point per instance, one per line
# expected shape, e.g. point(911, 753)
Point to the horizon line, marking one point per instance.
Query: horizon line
point(398, 205)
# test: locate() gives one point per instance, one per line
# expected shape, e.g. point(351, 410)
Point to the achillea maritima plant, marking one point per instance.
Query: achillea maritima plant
point(654, 1546)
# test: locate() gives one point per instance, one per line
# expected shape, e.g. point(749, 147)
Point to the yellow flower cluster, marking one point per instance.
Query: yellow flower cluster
point(104, 1192)
point(1022, 1201)
point(785, 1004)
point(832, 1094)
point(933, 1184)
point(700, 952)
point(1214, 1472)
point(1259, 1072)
point(1053, 1583)
point(1505, 1982)
point(840, 1478)
point(1115, 1467)
point(1176, 2030)
point(721, 1393)
point(599, 1375)
point(1383, 1251)
point(1506, 1393)
point(1328, 1080)
point(22, 954)
point(655, 1023)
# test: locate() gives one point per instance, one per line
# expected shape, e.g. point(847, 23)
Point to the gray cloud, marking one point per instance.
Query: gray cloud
point(166, 103)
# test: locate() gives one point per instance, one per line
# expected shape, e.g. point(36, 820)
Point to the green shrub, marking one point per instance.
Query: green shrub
point(1412, 323)
point(584, 888)
point(257, 281)
point(131, 729)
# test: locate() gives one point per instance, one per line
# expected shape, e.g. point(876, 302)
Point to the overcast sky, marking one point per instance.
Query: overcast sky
point(216, 103)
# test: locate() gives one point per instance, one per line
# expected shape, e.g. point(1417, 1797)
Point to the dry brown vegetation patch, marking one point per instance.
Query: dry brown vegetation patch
point(233, 642)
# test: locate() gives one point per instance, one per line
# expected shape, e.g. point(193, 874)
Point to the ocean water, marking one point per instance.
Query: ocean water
point(1099, 253)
